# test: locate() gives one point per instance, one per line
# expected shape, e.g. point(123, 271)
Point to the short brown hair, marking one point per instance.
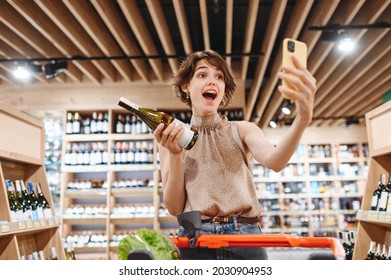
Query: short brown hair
point(187, 69)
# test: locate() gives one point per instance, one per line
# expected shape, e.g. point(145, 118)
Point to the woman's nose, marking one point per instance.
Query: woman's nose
point(211, 82)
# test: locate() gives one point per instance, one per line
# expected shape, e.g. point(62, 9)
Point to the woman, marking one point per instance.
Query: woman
point(215, 176)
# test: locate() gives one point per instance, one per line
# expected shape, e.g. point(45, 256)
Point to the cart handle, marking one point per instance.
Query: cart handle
point(262, 240)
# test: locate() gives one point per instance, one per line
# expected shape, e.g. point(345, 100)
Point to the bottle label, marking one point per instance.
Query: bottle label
point(187, 136)
point(374, 201)
point(383, 200)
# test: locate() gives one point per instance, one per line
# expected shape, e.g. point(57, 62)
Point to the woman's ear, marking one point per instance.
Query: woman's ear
point(184, 88)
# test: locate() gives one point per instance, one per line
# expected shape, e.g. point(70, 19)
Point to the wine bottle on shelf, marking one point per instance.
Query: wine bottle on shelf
point(47, 211)
point(383, 201)
point(26, 207)
point(371, 252)
point(383, 255)
point(376, 194)
point(15, 207)
point(27, 198)
point(76, 124)
point(53, 251)
point(70, 253)
point(153, 118)
point(378, 252)
point(41, 255)
point(35, 202)
point(69, 125)
point(389, 253)
point(388, 207)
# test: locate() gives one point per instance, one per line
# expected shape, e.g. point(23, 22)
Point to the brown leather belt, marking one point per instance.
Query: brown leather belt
point(219, 220)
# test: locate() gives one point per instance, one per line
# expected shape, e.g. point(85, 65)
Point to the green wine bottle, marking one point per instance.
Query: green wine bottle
point(47, 211)
point(15, 207)
point(153, 118)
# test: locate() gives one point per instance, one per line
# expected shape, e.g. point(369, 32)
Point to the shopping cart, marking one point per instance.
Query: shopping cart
point(191, 222)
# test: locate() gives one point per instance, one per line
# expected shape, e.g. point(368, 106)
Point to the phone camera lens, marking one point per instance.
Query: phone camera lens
point(291, 46)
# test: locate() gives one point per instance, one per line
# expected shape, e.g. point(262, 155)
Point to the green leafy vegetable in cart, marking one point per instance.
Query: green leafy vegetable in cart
point(154, 241)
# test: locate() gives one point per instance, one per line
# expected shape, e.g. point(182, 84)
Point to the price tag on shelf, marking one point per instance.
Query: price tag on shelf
point(29, 224)
point(50, 222)
point(387, 217)
point(4, 226)
point(372, 215)
point(381, 216)
point(42, 223)
point(36, 224)
point(21, 225)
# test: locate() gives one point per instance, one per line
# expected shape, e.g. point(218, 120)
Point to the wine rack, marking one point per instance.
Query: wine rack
point(374, 225)
point(319, 191)
point(111, 190)
point(22, 158)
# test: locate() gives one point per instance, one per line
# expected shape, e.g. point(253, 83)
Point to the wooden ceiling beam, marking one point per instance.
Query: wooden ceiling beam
point(68, 24)
point(354, 70)
point(12, 17)
point(273, 26)
point(366, 14)
point(159, 20)
point(135, 19)
point(299, 14)
point(205, 24)
point(363, 97)
point(183, 25)
point(358, 94)
point(228, 28)
point(350, 96)
point(252, 14)
point(344, 14)
point(119, 30)
point(87, 16)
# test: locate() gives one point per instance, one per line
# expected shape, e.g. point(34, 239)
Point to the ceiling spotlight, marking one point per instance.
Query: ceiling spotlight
point(53, 69)
point(25, 71)
point(286, 108)
point(345, 43)
point(273, 123)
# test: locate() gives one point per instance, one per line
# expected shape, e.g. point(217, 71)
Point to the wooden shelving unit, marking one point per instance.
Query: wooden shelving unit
point(22, 158)
point(109, 197)
point(375, 226)
point(318, 193)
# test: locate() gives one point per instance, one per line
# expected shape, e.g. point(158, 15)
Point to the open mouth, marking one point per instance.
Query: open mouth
point(210, 95)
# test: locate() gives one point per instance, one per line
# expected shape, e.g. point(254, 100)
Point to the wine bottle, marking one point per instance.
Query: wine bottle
point(54, 253)
point(15, 207)
point(24, 203)
point(35, 202)
point(389, 253)
point(383, 255)
point(153, 118)
point(27, 198)
point(388, 207)
point(69, 125)
point(376, 194)
point(378, 251)
point(371, 253)
point(383, 201)
point(47, 211)
point(70, 253)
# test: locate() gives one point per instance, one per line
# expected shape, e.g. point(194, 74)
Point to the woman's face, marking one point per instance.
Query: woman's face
point(206, 89)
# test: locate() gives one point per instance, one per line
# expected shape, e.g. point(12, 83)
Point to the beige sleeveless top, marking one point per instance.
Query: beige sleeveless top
point(218, 180)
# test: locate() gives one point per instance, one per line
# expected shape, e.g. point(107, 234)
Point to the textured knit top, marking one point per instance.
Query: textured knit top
point(218, 180)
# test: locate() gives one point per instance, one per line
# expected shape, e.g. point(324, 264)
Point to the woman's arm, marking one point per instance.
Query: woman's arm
point(276, 157)
point(171, 166)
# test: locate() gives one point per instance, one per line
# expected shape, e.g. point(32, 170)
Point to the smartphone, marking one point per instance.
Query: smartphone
point(299, 49)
